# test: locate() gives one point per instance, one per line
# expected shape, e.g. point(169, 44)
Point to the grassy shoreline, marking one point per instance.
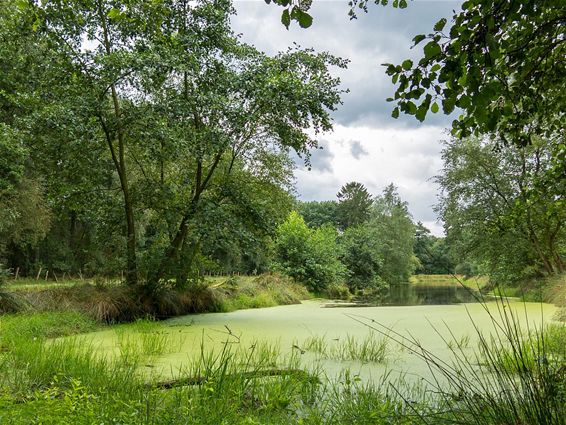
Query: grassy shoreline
point(112, 302)
point(45, 379)
point(63, 381)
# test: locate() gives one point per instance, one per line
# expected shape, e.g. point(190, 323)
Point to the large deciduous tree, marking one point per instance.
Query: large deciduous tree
point(501, 208)
point(170, 108)
point(361, 253)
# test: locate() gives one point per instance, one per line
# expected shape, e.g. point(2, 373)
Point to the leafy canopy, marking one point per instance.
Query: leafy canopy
point(501, 62)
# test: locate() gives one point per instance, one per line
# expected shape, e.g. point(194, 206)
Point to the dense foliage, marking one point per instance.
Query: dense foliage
point(501, 210)
point(308, 255)
point(140, 128)
point(146, 140)
point(433, 254)
point(373, 237)
point(317, 213)
point(361, 254)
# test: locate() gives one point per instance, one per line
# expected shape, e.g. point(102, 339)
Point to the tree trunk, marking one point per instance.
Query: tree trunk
point(119, 160)
point(541, 254)
point(172, 254)
point(131, 260)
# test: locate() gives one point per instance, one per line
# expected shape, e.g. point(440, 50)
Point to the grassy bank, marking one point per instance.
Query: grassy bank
point(64, 381)
point(472, 282)
point(550, 290)
point(108, 301)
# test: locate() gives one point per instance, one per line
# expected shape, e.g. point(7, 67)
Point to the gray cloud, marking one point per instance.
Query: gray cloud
point(368, 145)
point(383, 35)
point(320, 159)
point(357, 150)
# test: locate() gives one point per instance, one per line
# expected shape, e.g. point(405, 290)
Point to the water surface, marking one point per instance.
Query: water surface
point(290, 326)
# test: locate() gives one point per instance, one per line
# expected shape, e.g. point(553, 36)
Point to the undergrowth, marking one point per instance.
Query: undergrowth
point(517, 375)
point(111, 302)
point(65, 382)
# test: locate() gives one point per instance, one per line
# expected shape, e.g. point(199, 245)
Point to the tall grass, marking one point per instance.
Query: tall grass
point(347, 399)
point(9, 302)
point(369, 349)
point(267, 290)
point(517, 376)
point(513, 378)
point(111, 302)
point(67, 384)
point(63, 381)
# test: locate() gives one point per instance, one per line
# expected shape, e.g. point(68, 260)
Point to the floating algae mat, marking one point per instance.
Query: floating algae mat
point(329, 338)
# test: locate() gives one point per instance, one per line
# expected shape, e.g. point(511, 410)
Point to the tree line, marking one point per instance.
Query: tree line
point(145, 137)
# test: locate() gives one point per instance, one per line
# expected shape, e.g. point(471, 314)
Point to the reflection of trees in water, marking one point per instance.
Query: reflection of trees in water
point(428, 294)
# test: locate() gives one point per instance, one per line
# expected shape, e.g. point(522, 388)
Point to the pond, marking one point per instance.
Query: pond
point(293, 328)
point(431, 295)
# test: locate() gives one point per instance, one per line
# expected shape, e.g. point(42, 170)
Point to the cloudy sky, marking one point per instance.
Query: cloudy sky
point(367, 145)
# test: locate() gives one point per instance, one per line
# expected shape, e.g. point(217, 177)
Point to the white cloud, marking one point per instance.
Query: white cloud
point(406, 157)
point(367, 145)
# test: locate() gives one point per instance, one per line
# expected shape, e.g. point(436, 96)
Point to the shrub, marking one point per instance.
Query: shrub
point(310, 256)
point(338, 292)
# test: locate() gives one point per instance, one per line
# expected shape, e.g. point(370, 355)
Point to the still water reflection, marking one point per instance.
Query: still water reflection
point(430, 295)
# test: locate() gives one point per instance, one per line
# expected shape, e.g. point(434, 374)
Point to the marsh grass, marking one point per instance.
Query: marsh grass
point(146, 339)
point(348, 399)
point(474, 282)
point(517, 376)
point(513, 378)
point(44, 325)
point(459, 343)
point(267, 290)
point(370, 349)
point(64, 381)
point(111, 302)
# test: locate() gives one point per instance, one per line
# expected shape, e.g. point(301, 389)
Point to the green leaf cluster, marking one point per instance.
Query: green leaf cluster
point(500, 62)
point(310, 256)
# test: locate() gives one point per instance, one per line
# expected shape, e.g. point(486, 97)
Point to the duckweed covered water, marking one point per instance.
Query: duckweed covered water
point(171, 345)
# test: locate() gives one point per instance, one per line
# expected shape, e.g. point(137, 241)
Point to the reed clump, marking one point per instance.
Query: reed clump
point(369, 349)
point(516, 376)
